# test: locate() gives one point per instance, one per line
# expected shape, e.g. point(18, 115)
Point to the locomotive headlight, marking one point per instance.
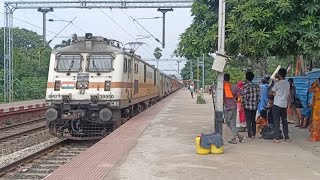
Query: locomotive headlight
point(86, 85)
point(57, 85)
point(82, 85)
point(107, 85)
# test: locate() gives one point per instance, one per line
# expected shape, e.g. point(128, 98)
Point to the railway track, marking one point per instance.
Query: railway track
point(17, 125)
point(21, 129)
point(41, 163)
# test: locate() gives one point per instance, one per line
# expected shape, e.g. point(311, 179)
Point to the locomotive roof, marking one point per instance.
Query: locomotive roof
point(97, 44)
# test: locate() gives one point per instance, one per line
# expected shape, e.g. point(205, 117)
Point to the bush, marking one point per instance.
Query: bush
point(200, 100)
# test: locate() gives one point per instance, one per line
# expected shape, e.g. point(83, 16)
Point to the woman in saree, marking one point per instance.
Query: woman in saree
point(240, 108)
point(315, 125)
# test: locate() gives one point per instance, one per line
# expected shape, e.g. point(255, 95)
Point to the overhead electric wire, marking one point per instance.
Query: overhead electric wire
point(34, 25)
point(129, 17)
point(121, 27)
point(67, 20)
point(156, 39)
point(62, 30)
point(60, 18)
point(134, 20)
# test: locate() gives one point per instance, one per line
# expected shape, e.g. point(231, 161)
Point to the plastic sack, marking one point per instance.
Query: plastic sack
point(269, 133)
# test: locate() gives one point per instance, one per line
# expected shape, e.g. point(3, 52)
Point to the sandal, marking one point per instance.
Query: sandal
point(276, 141)
point(232, 141)
point(241, 139)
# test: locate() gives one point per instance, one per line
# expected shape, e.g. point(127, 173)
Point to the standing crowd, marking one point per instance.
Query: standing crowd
point(271, 100)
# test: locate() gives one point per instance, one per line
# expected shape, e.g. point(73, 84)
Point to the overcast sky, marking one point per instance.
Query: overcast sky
point(97, 23)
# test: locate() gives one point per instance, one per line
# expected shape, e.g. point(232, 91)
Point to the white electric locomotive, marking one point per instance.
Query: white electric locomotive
point(95, 85)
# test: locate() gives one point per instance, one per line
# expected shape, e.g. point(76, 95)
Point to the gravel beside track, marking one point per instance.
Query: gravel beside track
point(5, 160)
point(47, 163)
point(23, 142)
point(19, 131)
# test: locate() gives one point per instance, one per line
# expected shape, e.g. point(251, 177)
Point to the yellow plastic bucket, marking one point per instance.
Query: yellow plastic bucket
point(215, 150)
point(200, 150)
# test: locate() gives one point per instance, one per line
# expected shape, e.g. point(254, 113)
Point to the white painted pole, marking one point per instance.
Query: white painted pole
point(218, 120)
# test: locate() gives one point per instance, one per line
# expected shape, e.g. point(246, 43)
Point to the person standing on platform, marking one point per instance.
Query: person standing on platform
point(281, 93)
point(230, 107)
point(294, 115)
point(242, 117)
point(191, 89)
point(263, 104)
point(250, 100)
point(315, 125)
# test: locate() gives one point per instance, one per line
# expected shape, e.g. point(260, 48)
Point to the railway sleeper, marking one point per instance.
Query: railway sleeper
point(39, 170)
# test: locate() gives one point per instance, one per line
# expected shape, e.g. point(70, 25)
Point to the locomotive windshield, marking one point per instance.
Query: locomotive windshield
point(100, 63)
point(69, 63)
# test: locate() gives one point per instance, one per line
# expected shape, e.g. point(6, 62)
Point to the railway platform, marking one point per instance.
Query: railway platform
point(13, 107)
point(160, 144)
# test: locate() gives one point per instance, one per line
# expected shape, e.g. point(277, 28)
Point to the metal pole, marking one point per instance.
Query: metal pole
point(219, 89)
point(198, 74)
point(157, 63)
point(178, 66)
point(44, 23)
point(191, 71)
point(44, 19)
point(163, 29)
point(164, 11)
point(8, 55)
point(203, 73)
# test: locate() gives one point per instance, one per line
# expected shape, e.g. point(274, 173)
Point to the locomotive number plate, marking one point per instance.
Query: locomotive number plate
point(106, 96)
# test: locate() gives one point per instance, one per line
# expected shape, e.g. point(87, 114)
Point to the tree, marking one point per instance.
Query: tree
point(30, 65)
point(201, 37)
point(210, 75)
point(68, 42)
point(255, 30)
point(23, 39)
point(260, 29)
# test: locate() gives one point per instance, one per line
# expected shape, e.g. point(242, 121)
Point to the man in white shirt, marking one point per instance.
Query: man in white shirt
point(281, 93)
point(191, 89)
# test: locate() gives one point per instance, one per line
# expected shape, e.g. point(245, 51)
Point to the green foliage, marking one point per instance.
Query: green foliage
point(68, 42)
point(209, 75)
point(30, 65)
point(200, 99)
point(201, 37)
point(256, 32)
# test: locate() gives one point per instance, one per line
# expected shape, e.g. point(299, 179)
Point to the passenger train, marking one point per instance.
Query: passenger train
point(95, 85)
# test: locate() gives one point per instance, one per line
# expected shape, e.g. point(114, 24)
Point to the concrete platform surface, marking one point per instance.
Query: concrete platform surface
point(166, 150)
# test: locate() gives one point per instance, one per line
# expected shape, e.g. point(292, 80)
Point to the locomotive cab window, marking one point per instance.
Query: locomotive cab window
point(69, 63)
point(98, 63)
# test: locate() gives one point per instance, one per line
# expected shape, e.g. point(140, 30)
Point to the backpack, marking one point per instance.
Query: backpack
point(268, 132)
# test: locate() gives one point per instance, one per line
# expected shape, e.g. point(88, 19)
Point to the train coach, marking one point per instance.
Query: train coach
point(95, 85)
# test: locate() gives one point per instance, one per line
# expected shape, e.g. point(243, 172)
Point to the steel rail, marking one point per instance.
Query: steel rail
point(9, 137)
point(29, 158)
point(22, 124)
